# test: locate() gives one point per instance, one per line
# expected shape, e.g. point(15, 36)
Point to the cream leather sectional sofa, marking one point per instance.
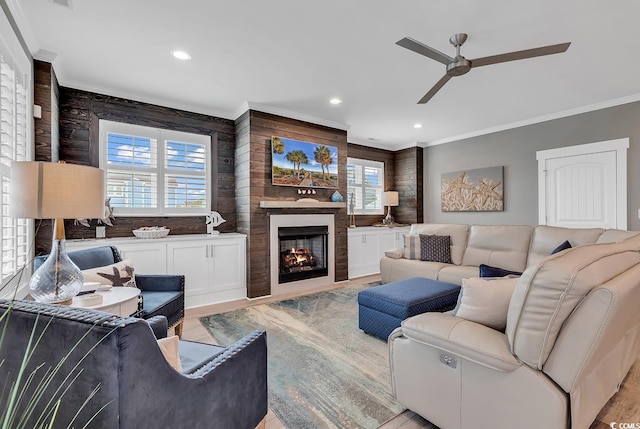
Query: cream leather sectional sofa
point(510, 247)
point(572, 334)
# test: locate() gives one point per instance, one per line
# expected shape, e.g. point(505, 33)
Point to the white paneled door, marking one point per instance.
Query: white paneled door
point(584, 186)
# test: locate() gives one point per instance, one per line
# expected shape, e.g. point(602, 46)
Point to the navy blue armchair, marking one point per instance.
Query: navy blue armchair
point(162, 295)
point(112, 374)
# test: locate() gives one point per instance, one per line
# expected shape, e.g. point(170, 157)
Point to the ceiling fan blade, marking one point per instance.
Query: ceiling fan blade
point(520, 55)
point(435, 89)
point(422, 49)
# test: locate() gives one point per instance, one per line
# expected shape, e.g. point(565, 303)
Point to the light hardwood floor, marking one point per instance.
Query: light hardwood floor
point(624, 405)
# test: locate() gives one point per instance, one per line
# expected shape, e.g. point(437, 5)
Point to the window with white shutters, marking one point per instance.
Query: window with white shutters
point(152, 171)
point(16, 235)
point(365, 184)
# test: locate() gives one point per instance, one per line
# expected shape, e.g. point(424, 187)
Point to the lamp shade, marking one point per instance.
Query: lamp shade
point(48, 190)
point(390, 198)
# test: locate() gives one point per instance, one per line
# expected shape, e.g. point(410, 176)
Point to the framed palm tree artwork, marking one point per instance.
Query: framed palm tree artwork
point(304, 164)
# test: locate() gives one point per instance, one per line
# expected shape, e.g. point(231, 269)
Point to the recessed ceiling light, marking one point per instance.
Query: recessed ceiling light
point(181, 55)
point(417, 126)
point(335, 101)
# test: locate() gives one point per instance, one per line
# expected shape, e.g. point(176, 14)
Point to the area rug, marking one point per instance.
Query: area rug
point(324, 372)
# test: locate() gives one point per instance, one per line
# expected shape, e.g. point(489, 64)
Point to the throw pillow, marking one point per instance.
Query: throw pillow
point(169, 348)
point(435, 248)
point(486, 301)
point(488, 271)
point(564, 246)
point(118, 274)
point(393, 253)
point(411, 246)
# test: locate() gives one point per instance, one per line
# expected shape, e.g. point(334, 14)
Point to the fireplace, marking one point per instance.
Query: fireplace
point(303, 252)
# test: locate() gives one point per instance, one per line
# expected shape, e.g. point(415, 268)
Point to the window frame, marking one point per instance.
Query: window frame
point(363, 163)
point(161, 136)
point(21, 148)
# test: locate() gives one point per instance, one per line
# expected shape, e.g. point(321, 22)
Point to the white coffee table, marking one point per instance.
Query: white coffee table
point(120, 300)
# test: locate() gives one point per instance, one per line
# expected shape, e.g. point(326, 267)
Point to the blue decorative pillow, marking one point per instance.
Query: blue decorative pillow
point(564, 246)
point(487, 271)
point(435, 248)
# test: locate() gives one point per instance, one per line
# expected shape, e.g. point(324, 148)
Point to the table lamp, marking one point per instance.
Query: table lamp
point(47, 190)
point(389, 199)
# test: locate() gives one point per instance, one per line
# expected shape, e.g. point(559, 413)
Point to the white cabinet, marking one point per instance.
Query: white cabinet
point(148, 257)
point(211, 269)
point(364, 248)
point(392, 238)
point(368, 244)
point(214, 266)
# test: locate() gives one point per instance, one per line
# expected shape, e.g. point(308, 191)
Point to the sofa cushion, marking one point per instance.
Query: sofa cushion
point(546, 238)
point(456, 273)
point(398, 269)
point(411, 247)
point(435, 248)
point(488, 271)
point(458, 234)
point(485, 301)
point(119, 274)
point(548, 292)
point(615, 236)
point(504, 246)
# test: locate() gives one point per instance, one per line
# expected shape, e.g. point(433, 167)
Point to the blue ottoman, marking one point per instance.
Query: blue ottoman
point(382, 308)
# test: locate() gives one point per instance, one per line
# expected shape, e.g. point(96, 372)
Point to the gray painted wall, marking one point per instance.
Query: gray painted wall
point(515, 149)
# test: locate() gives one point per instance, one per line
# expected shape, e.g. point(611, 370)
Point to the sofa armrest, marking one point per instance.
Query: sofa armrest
point(159, 325)
point(160, 282)
point(468, 340)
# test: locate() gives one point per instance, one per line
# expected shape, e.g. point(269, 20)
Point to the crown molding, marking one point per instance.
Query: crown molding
point(265, 108)
point(25, 31)
point(545, 118)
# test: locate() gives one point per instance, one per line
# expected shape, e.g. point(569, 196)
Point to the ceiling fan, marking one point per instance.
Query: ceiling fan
point(460, 65)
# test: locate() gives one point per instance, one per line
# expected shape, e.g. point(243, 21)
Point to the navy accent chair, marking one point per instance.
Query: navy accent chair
point(162, 294)
point(218, 387)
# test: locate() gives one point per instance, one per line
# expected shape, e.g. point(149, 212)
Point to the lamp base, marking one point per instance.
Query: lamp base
point(388, 219)
point(58, 279)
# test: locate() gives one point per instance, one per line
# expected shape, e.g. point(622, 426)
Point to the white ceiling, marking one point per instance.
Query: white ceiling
point(293, 56)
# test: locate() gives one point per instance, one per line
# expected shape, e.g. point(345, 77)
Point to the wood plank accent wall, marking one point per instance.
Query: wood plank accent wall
point(253, 173)
point(409, 184)
point(80, 112)
point(46, 95)
point(403, 173)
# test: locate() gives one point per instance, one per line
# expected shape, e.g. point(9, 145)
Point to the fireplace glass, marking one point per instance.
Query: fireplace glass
point(303, 253)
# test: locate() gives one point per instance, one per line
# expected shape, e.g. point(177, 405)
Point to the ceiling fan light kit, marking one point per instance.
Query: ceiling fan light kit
point(459, 65)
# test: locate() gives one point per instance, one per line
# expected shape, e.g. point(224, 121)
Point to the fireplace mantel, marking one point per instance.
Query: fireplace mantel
point(289, 204)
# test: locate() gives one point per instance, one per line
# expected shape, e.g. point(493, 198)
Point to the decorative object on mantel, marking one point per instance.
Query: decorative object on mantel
point(307, 200)
point(151, 232)
point(390, 225)
point(214, 219)
point(389, 199)
point(336, 197)
point(306, 191)
point(478, 190)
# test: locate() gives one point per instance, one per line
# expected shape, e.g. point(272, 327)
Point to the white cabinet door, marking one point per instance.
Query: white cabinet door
point(392, 238)
point(214, 270)
point(148, 257)
point(228, 270)
point(364, 253)
point(191, 259)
